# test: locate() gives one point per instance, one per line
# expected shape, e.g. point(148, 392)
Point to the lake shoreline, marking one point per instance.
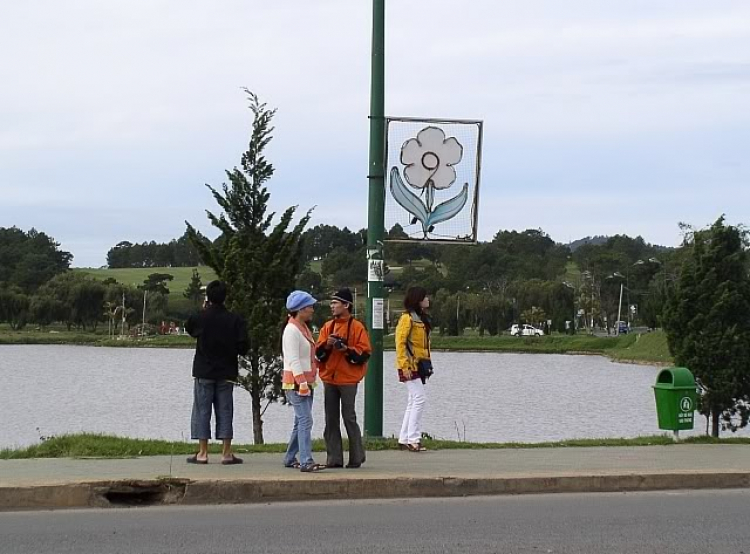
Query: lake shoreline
point(646, 349)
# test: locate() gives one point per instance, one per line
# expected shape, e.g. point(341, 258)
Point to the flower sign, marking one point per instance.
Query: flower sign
point(429, 160)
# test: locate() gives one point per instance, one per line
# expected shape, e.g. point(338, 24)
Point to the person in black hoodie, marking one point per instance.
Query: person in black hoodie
point(222, 337)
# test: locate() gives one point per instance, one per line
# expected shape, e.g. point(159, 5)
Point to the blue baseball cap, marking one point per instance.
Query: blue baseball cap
point(299, 300)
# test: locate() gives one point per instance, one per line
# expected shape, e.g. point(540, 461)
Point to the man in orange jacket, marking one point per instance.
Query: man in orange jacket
point(343, 349)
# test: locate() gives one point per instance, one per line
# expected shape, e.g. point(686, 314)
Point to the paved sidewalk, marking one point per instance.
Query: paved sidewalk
point(161, 479)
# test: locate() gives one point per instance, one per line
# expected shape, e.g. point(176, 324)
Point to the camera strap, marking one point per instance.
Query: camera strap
point(348, 327)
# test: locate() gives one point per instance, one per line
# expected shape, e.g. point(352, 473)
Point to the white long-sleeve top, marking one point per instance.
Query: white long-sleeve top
point(295, 350)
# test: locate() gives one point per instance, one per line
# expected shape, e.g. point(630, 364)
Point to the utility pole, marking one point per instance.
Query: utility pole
point(143, 324)
point(376, 225)
point(619, 312)
point(122, 329)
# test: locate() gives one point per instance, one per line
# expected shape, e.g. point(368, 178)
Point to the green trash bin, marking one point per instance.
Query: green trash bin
point(675, 398)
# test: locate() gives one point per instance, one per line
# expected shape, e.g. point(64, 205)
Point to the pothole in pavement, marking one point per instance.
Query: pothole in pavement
point(144, 493)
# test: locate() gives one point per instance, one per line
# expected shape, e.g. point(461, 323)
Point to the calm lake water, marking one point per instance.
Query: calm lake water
point(51, 390)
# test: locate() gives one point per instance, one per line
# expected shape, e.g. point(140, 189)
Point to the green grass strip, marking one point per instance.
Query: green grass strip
point(89, 445)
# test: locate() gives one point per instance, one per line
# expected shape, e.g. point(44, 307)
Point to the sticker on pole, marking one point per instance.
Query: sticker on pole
point(375, 270)
point(377, 313)
point(432, 180)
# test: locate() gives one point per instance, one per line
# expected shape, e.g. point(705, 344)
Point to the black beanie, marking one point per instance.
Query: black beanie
point(343, 295)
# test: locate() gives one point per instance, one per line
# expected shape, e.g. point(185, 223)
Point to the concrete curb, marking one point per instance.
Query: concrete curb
point(243, 491)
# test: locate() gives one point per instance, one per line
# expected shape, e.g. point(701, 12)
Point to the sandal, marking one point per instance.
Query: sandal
point(402, 446)
point(293, 465)
point(194, 460)
point(234, 460)
point(416, 448)
point(311, 468)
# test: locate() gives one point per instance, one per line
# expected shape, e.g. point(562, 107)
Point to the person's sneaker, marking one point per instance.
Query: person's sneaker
point(311, 468)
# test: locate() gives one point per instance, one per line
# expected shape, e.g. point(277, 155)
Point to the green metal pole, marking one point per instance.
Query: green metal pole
point(376, 226)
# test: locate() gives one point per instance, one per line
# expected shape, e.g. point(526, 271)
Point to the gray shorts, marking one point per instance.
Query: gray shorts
point(208, 394)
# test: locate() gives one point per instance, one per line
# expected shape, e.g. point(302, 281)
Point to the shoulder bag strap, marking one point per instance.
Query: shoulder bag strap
point(408, 338)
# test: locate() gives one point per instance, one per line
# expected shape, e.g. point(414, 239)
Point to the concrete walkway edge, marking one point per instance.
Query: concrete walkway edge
point(207, 492)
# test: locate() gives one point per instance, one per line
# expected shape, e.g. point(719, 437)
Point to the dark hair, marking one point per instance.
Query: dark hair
point(283, 326)
point(216, 292)
point(412, 300)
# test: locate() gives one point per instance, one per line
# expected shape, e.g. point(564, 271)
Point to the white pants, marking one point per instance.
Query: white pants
point(411, 428)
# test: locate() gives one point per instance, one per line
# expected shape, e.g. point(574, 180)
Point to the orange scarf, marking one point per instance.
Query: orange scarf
point(305, 330)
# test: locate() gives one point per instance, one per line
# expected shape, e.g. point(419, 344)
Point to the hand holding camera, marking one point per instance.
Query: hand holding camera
point(339, 343)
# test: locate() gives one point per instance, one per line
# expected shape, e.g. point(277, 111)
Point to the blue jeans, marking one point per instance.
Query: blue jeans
point(208, 394)
point(301, 438)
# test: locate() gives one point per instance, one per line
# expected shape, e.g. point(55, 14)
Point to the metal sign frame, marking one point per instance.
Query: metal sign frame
point(474, 217)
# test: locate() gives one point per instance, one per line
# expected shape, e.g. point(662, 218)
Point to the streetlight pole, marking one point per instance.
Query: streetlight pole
point(575, 310)
point(122, 327)
point(376, 224)
point(619, 313)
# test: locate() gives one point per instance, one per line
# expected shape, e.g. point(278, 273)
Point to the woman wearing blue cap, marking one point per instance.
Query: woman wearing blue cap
point(298, 381)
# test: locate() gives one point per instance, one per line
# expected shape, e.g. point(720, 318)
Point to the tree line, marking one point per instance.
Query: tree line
point(517, 277)
point(38, 287)
point(175, 253)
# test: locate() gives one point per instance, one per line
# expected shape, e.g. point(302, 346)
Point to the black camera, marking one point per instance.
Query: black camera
point(339, 343)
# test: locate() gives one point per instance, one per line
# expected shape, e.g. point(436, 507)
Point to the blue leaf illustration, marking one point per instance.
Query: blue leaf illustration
point(448, 209)
point(407, 199)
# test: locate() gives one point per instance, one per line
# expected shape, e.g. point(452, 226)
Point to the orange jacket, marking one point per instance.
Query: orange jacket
point(334, 367)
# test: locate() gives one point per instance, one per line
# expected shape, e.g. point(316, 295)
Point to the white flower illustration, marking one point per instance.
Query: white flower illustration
point(429, 160)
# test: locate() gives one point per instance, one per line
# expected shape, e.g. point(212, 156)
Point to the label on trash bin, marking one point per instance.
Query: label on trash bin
point(686, 410)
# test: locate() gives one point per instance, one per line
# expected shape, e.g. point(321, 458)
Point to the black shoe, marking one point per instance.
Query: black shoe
point(353, 466)
point(334, 466)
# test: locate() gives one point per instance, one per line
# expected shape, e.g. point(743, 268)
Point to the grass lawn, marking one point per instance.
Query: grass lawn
point(316, 266)
point(58, 334)
point(135, 276)
point(86, 445)
point(572, 273)
point(647, 348)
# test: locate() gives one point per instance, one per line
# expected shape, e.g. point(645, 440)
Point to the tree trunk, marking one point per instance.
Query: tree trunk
point(257, 419)
point(715, 415)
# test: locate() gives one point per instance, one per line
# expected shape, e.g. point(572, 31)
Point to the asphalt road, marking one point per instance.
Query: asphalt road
point(702, 522)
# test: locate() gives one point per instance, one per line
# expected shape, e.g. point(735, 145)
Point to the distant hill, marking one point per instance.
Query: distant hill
point(597, 240)
point(135, 276)
point(601, 239)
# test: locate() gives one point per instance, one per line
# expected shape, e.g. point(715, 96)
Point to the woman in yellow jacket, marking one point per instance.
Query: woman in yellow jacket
point(413, 352)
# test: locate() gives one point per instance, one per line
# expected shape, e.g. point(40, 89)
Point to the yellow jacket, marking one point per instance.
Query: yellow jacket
point(415, 333)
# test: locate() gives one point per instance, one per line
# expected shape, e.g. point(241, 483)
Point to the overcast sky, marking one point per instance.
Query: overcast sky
point(601, 116)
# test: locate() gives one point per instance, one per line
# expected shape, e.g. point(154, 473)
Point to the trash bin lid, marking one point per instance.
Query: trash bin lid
point(675, 378)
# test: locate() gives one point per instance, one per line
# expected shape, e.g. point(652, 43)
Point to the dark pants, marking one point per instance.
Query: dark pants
point(340, 401)
point(208, 394)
